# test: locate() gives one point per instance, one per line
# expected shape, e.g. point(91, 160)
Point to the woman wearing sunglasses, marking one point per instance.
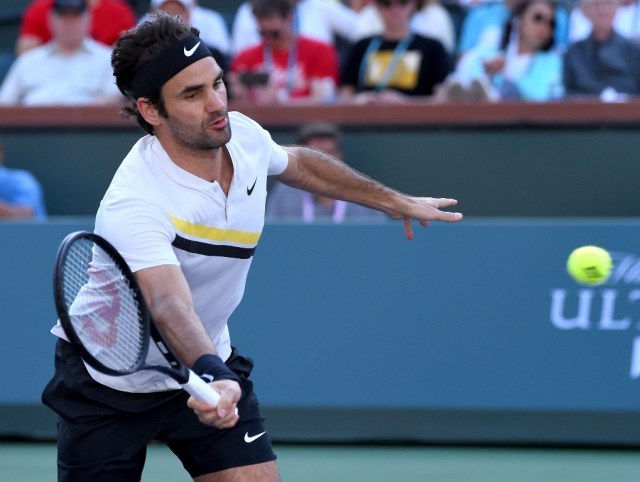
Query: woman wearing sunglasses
point(525, 65)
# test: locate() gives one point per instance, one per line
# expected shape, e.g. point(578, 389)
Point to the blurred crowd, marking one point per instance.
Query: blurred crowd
point(331, 51)
point(361, 51)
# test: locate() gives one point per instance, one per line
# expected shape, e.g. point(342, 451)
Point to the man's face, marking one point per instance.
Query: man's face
point(275, 30)
point(395, 13)
point(69, 28)
point(600, 12)
point(195, 101)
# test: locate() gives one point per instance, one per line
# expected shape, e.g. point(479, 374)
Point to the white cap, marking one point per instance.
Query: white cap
point(159, 3)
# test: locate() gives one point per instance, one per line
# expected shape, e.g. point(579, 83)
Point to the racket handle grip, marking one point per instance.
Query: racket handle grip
point(201, 390)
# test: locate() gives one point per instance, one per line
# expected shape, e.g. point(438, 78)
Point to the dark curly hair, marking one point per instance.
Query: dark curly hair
point(517, 11)
point(136, 48)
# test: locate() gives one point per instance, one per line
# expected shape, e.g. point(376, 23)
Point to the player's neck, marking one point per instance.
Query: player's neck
point(212, 165)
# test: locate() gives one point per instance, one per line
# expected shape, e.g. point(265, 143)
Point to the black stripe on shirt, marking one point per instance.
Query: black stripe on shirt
point(197, 247)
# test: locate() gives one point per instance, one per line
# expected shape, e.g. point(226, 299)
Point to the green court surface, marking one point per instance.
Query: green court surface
point(35, 462)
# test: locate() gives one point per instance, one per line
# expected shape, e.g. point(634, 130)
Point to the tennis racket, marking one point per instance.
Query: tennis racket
point(104, 315)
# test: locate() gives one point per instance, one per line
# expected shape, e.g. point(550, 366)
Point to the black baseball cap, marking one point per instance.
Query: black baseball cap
point(70, 6)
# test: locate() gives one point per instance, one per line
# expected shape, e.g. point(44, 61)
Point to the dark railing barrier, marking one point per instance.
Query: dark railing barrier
point(505, 159)
point(420, 113)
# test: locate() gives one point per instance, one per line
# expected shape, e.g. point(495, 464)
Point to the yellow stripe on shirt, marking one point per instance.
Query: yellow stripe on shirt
point(215, 234)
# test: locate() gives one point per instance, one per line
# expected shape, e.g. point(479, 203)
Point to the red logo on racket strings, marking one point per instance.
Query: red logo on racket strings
point(107, 336)
point(106, 308)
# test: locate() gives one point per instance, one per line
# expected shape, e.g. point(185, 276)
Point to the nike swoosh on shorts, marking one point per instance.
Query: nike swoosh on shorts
point(252, 438)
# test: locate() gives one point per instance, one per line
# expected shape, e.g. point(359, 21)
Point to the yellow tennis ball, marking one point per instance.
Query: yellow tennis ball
point(590, 265)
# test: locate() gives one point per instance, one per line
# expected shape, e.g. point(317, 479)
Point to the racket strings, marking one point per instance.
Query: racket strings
point(104, 309)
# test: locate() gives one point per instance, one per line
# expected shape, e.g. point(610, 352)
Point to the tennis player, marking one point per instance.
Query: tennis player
point(186, 210)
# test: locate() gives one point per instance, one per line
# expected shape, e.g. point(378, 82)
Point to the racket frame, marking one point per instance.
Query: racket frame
point(189, 381)
point(63, 313)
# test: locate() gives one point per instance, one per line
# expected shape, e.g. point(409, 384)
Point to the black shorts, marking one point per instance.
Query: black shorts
point(103, 433)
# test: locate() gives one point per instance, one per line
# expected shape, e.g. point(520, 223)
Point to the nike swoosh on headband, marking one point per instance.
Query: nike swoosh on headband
point(189, 53)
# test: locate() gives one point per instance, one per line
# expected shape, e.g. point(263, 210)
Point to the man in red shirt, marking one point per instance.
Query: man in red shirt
point(109, 19)
point(293, 67)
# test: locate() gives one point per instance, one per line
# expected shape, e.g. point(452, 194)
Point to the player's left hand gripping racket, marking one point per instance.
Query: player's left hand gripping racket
point(104, 315)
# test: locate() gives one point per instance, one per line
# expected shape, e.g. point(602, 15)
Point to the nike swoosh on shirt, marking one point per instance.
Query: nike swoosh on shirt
point(189, 53)
point(252, 438)
point(250, 189)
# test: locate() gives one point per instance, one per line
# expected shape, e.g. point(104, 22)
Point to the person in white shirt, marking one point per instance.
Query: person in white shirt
point(71, 69)
point(319, 20)
point(626, 22)
point(212, 26)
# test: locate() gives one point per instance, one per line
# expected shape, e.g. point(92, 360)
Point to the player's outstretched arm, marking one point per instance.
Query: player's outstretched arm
point(320, 173)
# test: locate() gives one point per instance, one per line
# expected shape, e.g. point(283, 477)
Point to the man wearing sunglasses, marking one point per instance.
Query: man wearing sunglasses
point(295, 67)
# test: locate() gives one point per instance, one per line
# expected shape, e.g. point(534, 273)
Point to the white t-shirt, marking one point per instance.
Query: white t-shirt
point(155, 213)
point(46, 76)
point(213, 28)
point(320, 20)
point(211, 24)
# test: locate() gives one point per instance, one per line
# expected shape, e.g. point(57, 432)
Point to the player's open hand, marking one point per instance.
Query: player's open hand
point(425, 210)
point(223, 415)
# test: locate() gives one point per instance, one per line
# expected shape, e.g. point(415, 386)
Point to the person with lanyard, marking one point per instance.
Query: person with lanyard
point(294, 67)
point(288, 203)
point(186, 210)
point(395, 65)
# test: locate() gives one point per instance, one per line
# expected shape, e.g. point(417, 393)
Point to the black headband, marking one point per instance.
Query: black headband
point(168, 63)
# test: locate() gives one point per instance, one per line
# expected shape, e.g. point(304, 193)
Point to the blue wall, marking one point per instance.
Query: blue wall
point(478, 317)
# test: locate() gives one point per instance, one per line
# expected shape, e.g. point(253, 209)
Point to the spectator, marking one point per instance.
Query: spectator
point(485, 21)
point(626, 22)
point(525, 66)
point(291, 203)
point(430, 20)
point(320, 20)
point(605, 64)
point(433, 20)
point(396, 64)
point(294, 67)
point(20, 193)
point(71, 69)
point(213, 28)
point(109, 18)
